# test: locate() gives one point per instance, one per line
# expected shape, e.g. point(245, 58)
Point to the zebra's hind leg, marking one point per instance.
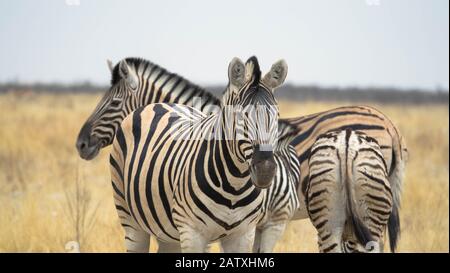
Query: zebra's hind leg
point(329, 218)
point(164, 247)
point(330, 241)
point(241, 243)
point(270, 235)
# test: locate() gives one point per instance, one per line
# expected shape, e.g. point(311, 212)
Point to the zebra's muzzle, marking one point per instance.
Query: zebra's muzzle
point(263, 169)
point(88, 147)
point(88, 153)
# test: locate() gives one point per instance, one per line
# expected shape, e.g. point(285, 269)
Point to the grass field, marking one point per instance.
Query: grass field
point(50, 198)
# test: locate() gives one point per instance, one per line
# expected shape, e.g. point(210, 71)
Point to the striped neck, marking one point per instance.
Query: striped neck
point(157, 85)
point(230, 154)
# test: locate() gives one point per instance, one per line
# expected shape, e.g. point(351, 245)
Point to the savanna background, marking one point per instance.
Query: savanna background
point(50, 197)
point(390, 55)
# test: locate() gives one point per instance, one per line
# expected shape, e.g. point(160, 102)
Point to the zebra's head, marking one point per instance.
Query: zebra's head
point(99, 129)
point(252, 113)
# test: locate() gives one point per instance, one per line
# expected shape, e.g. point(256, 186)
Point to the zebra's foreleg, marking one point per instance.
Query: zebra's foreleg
point(136, 241)
point(270, 235)
point(192, 241)
point(241, 243)
point(164, 247)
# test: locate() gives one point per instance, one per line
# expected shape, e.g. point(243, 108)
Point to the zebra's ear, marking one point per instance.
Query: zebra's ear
point(236, 72)
point(110, 65)
point(277, 74)
point(124, 69)
point(125, 73)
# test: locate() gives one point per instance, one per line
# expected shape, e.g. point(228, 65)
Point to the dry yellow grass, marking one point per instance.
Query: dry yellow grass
point(39, 170)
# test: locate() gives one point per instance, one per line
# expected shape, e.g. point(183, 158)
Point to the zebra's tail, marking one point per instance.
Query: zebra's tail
point(399, 158)
point(361, 231)
point(394, 228)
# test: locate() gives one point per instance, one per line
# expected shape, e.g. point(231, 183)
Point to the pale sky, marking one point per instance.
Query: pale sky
point(400, 43)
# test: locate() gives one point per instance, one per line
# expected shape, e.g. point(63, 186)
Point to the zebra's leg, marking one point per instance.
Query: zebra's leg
point(136, 241)
point(331, 226)
point(164, 247)
point(241, 243)
point(326, 206)
point(349, 246)
point(330, 241)
point(257, 241)
point(329, 219)
point(192, 241)
point(270, 236)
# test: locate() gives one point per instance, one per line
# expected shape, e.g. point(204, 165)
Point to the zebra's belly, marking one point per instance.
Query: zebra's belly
point(152, 198)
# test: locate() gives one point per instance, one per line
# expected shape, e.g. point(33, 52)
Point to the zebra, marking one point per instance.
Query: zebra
point(136, 83)
point(349, 198)
point(153, 84)
point(281, 199)
point(156, 84)
point(369, 121)
point(189, 178)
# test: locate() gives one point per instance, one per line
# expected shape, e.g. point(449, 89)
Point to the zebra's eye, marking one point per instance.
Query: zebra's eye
point(115, 103)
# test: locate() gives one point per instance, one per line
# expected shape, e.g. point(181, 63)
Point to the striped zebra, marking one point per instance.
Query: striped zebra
point(156, 84)
point(281, 201)
point(136, 83)
point(186, 177)
point(349, 198)
point(372, 123)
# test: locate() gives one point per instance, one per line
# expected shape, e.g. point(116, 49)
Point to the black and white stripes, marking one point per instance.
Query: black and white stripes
point(136, 83)
point(181, 186)
point(349, 198)
point(280, 202)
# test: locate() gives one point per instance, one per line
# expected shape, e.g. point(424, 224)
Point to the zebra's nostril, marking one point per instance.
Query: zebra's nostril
point(82, 145)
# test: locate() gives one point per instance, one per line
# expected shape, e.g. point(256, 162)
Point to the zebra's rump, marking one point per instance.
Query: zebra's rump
point(365, 119)
point(348, 189)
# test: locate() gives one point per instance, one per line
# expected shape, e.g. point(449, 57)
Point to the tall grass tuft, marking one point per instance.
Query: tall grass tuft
point(81, 210)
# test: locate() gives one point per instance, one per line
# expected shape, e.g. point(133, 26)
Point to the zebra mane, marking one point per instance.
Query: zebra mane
point(134, 63)
point(253, 64)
